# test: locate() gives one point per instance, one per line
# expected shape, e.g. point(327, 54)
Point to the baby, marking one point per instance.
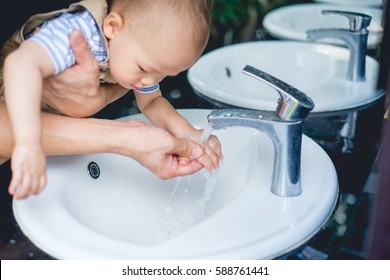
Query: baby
point(137, 44)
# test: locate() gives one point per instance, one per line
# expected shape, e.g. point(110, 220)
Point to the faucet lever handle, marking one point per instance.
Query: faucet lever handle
point(357, 21)
point(293, 104)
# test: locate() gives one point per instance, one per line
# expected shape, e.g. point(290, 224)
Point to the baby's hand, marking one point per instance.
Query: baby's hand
point(28, 166)
point(212, 150)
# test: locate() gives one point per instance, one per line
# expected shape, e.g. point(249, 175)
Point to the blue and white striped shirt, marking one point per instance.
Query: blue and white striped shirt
point(54, 35)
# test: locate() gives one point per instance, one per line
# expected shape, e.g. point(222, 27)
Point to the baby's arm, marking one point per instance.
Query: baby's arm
point(24, 71)
point(162, 114)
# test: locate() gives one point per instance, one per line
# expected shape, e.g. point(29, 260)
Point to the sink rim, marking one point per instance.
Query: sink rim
point(365, 3)
point(277, 29)
point(203, 77)
point(247, 250)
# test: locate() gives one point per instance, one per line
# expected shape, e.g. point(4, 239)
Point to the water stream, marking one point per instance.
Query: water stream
point(206, 133)
point(179, 217)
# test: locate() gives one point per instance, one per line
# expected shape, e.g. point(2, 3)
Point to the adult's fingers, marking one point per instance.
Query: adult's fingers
point(80, 49)
point(188, 169)
point(187, 149)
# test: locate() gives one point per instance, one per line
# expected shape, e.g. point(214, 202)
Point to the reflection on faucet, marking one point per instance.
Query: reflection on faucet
point(348, 132)
point(355, 38)
point(284, 127)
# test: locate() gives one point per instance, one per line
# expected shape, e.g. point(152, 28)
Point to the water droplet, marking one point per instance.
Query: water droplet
point(12, 241)
point(168, 209)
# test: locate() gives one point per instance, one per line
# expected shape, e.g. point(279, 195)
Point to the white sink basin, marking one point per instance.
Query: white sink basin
point(318, 70)
point(127, 213)
point(292, 22)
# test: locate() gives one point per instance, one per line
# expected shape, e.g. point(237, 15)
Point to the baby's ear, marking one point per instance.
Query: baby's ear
point(112, 24)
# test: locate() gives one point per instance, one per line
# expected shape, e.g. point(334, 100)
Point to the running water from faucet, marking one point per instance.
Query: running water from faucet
point(168, 209)
point(206, 133)
point(198, 210)
point(179, 218)
point(211, 178)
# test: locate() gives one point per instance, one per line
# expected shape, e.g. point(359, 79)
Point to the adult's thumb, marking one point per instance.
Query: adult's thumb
point(189, 149)
point(80, 47)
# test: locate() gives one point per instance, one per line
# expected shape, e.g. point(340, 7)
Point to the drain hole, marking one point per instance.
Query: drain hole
point(94, 170)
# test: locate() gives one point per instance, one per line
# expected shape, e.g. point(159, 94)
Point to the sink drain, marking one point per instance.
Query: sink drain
point(94, 170)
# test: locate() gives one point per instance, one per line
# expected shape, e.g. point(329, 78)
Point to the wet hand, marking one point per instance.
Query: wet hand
point(158, 150)
point(211, 147)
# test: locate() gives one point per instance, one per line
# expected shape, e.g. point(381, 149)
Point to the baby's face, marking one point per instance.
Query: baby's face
point(140, 57)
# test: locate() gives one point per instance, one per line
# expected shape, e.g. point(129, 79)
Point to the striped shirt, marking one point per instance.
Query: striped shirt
point(54, 35)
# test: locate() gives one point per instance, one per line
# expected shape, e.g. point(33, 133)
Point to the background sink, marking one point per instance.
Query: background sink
point(372, 3)
point(127, 213)
point(318, 70)
point(292, 22)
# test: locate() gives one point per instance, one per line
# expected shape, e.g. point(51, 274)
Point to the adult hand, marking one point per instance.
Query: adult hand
point(76, 92)
point(212, 149)
point(158, 150)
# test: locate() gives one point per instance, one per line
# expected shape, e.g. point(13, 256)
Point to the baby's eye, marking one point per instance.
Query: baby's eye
point(142, 69)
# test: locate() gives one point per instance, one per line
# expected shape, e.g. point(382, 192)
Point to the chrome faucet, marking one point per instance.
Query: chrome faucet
point(355, 38)
point(284, 127)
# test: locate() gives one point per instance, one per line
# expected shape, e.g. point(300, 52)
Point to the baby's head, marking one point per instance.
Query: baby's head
point(149, 39)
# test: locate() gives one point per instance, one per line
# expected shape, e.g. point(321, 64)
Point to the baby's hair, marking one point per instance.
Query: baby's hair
point(197, 12)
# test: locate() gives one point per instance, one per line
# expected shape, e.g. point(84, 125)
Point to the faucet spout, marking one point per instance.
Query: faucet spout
point(355, 39)
point(284, 127)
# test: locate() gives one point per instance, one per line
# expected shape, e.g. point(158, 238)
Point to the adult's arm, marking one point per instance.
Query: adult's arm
point(64, 135)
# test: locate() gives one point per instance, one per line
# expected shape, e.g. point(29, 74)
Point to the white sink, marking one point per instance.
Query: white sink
point(372, 3)
point(318, 70)
point(127, 213)
point(292, 22)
